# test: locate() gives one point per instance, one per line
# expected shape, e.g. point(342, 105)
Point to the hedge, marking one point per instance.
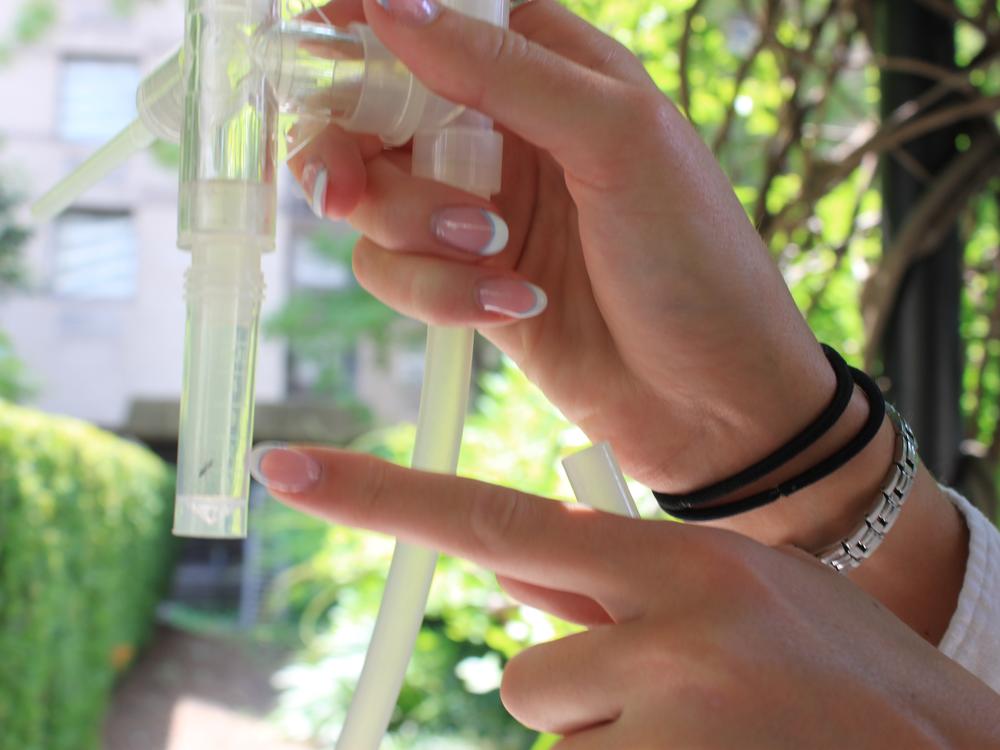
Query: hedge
point(84, 551)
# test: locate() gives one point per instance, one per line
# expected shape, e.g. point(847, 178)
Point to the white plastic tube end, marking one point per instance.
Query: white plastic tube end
point(598, 482)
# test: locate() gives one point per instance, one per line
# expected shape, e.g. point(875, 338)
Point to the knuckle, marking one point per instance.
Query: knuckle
point(495, 515)
point(652, 107)
point(372, 491)
point(730, 565)
point(503, 51)
point(512, 48)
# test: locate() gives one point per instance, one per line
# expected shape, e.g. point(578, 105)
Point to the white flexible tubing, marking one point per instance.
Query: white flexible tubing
point(598, 482)
point(467, 154)
point(134, 137)
point(443, 402)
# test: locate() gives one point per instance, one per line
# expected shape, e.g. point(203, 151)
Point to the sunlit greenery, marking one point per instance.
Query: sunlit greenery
point(84, 519)
point(14, 380)
point(788, 96)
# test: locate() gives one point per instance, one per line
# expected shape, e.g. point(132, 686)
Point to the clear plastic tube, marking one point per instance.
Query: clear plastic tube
point(316, 71)
point(159, 102)
point(135, 137)
point(226, 218)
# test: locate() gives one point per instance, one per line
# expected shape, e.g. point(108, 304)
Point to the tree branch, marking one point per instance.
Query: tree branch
point(870, 167)
point(930, 219)
point(888, 137)
point(683, 52)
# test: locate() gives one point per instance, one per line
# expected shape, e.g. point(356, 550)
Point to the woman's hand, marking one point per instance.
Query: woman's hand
point(698, 637)
point(669, 331)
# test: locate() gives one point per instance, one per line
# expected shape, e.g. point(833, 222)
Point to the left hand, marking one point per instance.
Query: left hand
point(698, 637)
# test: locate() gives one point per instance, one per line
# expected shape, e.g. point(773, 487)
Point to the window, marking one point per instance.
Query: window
point(95, 255)
point(96, 98)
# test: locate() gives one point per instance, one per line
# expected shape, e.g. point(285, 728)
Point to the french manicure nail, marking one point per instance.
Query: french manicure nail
point(515, 299)
point(315, 181)
point(284, 469)
point(412, 12)
point(474, 230)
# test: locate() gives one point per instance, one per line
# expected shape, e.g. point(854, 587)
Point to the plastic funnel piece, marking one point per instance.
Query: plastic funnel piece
point(598, 482)
point(135, 137)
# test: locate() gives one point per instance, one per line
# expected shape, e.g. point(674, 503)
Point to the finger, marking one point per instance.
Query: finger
point(404, 213)
point(445, 292)
point(546, 23)
point(571, 111)
point(568, 606)
point(566, 685)
point(331, 170)
point(538, 541)
point(338, 13)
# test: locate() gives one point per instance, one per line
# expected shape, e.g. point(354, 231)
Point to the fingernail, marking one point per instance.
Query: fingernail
point(516, 299)
point(315, 181)
point(474, 230)
point(412, 12)
point(284, 469)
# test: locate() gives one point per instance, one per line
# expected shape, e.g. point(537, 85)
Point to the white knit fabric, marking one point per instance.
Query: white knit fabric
point(973, 636)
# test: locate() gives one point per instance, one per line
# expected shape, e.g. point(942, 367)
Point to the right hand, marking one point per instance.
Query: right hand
point(669, 330)
point(697, 637)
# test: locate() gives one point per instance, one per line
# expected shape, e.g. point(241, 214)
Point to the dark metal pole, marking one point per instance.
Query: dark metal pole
point(921, 352)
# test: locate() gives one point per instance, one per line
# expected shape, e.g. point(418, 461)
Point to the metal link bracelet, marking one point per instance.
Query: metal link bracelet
point(851, 551)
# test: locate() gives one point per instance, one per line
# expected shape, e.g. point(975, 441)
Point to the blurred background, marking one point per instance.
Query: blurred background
point(862, 139)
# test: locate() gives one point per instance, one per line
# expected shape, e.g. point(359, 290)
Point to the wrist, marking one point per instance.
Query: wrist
point(831, 508)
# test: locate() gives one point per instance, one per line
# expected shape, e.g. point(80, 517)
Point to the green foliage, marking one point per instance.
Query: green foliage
point(12, 239)
point(84, 549)
point(545, 742)
point(471, 630)
point(14, 384)
point(981, 318)
point(166, 155)
point(32, 19)
point(13, 376)
point(323, 326)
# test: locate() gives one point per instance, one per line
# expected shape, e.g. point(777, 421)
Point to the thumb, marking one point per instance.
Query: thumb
point(569, 110)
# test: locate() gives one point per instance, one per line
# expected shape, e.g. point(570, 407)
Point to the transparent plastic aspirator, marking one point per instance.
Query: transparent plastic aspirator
point(243, 78)
point(248, 72)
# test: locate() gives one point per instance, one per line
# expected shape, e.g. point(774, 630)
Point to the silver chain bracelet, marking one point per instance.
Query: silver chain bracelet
point(852, 550)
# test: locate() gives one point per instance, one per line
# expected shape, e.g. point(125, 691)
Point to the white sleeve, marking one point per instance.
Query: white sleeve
point(973, 636)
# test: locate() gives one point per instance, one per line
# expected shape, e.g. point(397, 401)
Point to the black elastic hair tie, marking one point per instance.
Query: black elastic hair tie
point(797, 445)
point(876, 414)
